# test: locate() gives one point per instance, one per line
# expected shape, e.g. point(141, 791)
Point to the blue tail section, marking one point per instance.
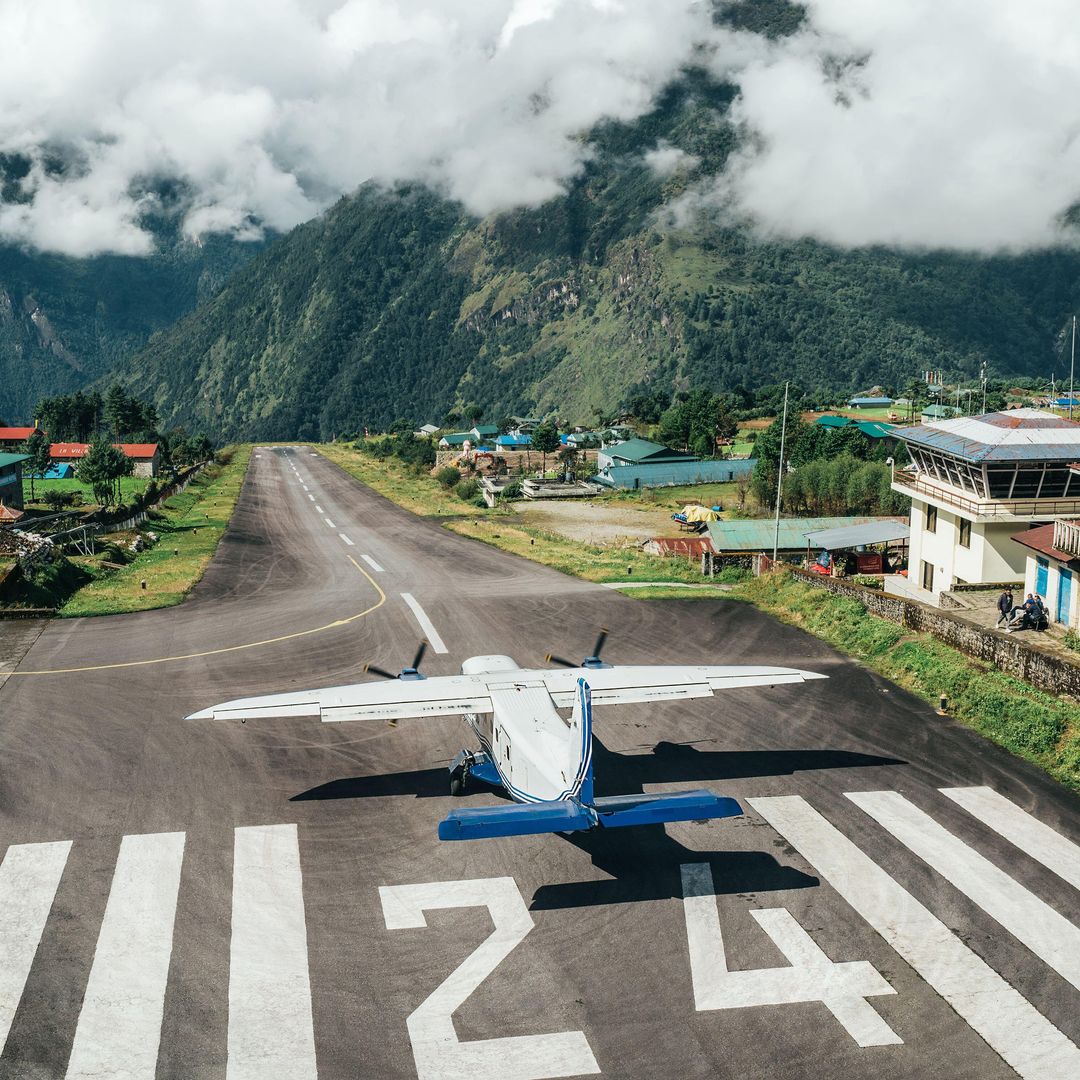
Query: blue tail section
point(620, 811)
point(569, 815)
point(519, 819)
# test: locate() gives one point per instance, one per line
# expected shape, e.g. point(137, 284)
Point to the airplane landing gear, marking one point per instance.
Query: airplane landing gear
point(459, 772)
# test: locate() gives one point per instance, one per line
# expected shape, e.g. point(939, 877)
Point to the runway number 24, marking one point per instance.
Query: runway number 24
point(440, 1055)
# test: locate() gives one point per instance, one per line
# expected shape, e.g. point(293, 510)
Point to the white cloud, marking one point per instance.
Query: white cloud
point(665, 159)
point(956, 126)
point(267, 110)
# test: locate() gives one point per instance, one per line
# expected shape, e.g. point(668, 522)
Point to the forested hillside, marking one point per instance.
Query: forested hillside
point(64, 322)
point(394, 304)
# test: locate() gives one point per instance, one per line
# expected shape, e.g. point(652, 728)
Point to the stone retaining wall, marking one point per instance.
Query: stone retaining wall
point(1010, 654)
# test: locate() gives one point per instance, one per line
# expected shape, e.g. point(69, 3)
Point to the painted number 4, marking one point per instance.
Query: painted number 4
point(438, 1052)
point(812, 976)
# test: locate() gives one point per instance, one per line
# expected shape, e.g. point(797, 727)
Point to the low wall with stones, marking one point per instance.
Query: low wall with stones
point(1010, 654)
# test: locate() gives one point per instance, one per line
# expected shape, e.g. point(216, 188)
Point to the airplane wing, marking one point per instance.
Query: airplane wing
point(442, 695)
point(663, 682)
point(389, 699)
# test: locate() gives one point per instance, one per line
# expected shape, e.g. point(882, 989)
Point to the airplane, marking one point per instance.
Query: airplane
point(544, 761)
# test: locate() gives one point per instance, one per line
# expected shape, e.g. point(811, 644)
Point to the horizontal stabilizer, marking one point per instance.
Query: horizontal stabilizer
point(620, 811)
point(519, 819)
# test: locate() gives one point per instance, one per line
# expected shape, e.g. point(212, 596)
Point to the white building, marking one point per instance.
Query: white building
point(1053, 562)
point(974, 482)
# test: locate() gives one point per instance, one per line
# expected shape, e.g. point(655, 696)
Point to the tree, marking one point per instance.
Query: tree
point(36, 449)
point(473, 412)
point(101, 468)
point(545, 438)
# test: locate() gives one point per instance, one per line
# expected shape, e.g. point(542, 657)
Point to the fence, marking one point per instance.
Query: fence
point(1044, 670)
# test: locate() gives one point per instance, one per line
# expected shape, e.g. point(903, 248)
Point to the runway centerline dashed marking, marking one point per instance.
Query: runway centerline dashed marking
point(29, 876)
point(426, 624)
point(1049, 935)
point(346, 539)
point(312, 498)
point(1006, 1020)
point(1054, 851)
point(270, 1024)
point(119, 1025)
point(329, 522)
point(372, 563)
point(319, 509)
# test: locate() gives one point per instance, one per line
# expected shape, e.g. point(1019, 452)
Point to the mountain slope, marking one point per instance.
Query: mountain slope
point(394, 304)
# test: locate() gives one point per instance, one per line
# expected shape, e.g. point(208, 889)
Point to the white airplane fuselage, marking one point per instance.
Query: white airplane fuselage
point(538, 753)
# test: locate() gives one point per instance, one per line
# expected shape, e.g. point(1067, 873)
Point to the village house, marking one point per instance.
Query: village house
point(11, 438)
point(146, 457)
point(11, 466)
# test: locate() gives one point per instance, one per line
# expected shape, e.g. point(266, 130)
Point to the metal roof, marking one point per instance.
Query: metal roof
point(873, 532)
point(757, 534)
point(640, 451)
point(11, 459)
point(870, 401)
point(1015, 435)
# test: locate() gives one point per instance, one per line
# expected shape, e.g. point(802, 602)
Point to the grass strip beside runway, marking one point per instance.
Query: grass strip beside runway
point(397, 482)
point(1034, 725)
point(600, 564)
point(190, 523)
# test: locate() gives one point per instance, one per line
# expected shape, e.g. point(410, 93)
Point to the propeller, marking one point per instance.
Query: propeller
point(591, 661)
point(410, 672)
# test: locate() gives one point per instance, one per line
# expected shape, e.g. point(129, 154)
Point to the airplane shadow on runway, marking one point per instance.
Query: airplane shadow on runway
point(643, 863)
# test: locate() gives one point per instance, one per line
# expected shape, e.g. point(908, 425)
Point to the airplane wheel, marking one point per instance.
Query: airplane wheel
point(457, 784)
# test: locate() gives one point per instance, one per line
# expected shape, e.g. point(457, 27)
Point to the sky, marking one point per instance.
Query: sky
point(924, 124)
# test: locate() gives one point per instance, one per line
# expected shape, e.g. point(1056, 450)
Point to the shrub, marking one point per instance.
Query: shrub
point(1072, 639)
point(448, 476)
point(467, 490)
point(511, 491)
point(732, 575)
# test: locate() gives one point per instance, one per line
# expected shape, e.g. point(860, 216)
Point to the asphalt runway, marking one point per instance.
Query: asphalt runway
point(211, 900)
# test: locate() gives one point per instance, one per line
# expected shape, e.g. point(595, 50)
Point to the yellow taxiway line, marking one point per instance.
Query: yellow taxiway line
point(227, 648)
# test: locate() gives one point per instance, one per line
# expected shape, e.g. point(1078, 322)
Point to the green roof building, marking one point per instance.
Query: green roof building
point(11, 479)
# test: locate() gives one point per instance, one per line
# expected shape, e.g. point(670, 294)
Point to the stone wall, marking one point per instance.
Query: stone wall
point(1010, 654)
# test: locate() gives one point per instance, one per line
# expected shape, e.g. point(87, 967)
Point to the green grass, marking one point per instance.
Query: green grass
point(572, 557)
point(1034, 725)
point(189, 526)
point(130, 486)
point(419, 493)
point(675, 498)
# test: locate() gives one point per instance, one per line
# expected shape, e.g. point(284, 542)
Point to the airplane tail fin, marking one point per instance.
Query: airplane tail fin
point(570, 815)
point(579, 767)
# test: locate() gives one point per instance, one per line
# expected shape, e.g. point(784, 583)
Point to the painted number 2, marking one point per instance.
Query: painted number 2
point(438, 1052)
point(812, 976)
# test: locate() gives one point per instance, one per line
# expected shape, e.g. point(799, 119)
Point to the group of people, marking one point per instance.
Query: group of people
point(1030, 615)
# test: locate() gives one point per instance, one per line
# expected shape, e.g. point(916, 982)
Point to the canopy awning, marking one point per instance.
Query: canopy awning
point(696, 512)
point(872, 532)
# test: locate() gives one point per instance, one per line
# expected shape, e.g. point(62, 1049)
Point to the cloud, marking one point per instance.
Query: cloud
point(928, 123)
point(665, 159)
point(264, 111)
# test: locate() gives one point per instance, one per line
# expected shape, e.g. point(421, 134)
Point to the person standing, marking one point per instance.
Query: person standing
point(1004, 606)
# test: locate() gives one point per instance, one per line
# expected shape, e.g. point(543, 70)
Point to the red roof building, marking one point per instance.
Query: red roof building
point(689, 547)
point(11, 438)
point(8, 514)
point(146, 456)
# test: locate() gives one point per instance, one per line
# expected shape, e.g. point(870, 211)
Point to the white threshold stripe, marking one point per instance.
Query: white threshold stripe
point(29, 876)
point(270, 1026)
point(346, 539)
point(1032, 836)
point(119, 1026)
point(426, 624)
point(1006, 1020)
point(373, 564)
point(329, 522)
point(1050, 936)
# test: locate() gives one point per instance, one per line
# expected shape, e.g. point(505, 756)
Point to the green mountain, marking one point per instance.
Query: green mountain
point(65, 322)
point(396, 304)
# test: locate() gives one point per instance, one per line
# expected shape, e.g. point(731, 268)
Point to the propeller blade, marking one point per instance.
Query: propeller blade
point(549, 659)
point(419, 656)
point(603, 636)
point(371, 669)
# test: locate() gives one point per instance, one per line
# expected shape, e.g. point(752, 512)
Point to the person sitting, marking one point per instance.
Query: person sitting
point(1019, 617)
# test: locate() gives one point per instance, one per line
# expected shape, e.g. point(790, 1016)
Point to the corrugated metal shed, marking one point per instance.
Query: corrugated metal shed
point(686, 546)
point(674, 473)
point(757, 535)
point(850, 536)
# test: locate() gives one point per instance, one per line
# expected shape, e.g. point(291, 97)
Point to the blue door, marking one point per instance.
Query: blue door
point(1064, 595)
point(1040, 576)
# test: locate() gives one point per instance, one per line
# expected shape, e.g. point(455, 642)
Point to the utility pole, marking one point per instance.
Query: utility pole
point(982, 375)
point(1072, 367)
point(780, 477)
